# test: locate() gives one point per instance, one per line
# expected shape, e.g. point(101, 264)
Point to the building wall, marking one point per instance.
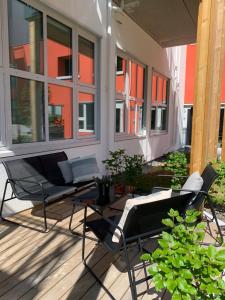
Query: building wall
point(115, 31)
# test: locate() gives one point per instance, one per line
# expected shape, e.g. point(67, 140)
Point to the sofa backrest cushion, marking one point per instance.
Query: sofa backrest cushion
point(52, 172)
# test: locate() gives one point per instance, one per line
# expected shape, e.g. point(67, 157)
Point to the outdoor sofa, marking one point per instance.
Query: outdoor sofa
point(38, 178)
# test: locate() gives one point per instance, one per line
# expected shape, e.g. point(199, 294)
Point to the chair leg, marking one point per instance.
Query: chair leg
point(3, 199)
point(84, 259)
point(215, 218)
point(45, 217)
point(129, 269)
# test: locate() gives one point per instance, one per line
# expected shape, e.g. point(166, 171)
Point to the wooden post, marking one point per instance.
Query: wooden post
point(210, 55)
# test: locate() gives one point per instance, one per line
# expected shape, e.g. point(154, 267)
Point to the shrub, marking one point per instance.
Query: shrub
point(182, 266)
point(176, 162)
point(217, 191)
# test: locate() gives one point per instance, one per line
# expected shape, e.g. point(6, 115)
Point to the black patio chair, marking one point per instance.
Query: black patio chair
point(143, 222)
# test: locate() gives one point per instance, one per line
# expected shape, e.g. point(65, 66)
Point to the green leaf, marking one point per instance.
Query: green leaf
point(185, 273)
point(168, 223)
point(176, 296)
point(171, 285)
point(159, 283)
point(146, 257)
point(173, 213)
point(221, 255)
point(211, 251)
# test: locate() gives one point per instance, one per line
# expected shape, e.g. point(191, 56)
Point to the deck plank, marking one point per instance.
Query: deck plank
point(48, 266)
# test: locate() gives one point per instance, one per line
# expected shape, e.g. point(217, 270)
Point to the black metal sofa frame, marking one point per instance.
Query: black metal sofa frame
point(143, 222)
point(38, 178)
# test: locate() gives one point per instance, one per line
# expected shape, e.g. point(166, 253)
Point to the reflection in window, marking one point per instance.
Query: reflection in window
point(133, 79)
point(120, 116)
point(27, 104)
point(59, 50)
point(139, 118)
point(159, 109)
point(60, 112)
point(86, 61)
point(130, 90)
point(25, 37)
point(120, 75)
point(132, 113)
point(86, 114)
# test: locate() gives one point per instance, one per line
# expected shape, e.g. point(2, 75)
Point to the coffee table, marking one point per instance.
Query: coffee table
point(91, 197)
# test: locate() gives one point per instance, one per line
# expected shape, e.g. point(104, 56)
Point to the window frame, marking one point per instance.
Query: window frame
point(2, 118)
point(126, 98)
point(157, 105)
point(74, 84)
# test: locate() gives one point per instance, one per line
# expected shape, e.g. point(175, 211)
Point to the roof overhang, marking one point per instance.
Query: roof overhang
point(169, 22)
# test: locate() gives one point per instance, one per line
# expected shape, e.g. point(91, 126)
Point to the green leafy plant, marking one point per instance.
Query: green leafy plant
point(184, 267)
point(115, 164)
point(217, 191)
point(176, 162)
point(133, 168)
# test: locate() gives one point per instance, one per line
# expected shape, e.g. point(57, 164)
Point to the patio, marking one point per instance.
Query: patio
point(36, 265)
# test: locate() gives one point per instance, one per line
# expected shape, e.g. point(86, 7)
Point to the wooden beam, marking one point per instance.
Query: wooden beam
point(206, 113)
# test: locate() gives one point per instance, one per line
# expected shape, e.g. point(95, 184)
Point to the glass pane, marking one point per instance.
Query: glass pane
point(159, 89)
point(86, 61)
point(120, 116)
point(164, 91)
point(164, 118)
point(131, 125)
point(86, 114)
point(133, 79)
point(59, 50)
point(27, 104)
point(140, 83)
point(153, 117)
point(154, 88)
point(26, 50)
point(139, 118)
point(60, 111)
point(120, 75)
point(159, 118)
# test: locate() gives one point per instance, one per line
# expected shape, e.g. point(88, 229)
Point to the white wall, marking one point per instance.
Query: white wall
point(94, 16)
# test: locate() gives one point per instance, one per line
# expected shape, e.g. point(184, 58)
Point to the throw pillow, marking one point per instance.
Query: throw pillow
point(84, 168)
point(193, 183)
point(138, 201)
point(66, 170)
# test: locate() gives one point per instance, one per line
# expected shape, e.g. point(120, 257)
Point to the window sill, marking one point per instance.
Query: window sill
point(119, 138)
point(158, 133)
point(37, 148)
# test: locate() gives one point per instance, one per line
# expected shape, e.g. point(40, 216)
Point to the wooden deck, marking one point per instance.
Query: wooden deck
point(36, 265)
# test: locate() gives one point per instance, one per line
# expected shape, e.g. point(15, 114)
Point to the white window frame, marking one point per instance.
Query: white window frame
point(75, 85)
point(126, 96)
point(157, 105)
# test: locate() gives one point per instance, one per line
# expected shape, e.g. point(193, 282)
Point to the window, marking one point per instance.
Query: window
point(59, 50)
point(50, 99)
point(86, 114)
point(159, 102)
point(25, 28)
point(86, 87)
point(130, 96)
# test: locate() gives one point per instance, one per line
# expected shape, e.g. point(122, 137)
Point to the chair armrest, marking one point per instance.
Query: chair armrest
point(171, 175)
point(18, 181)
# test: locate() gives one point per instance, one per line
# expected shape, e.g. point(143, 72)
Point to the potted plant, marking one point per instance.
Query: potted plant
point(133, 170)
point(115, 165)
point(184, 267)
